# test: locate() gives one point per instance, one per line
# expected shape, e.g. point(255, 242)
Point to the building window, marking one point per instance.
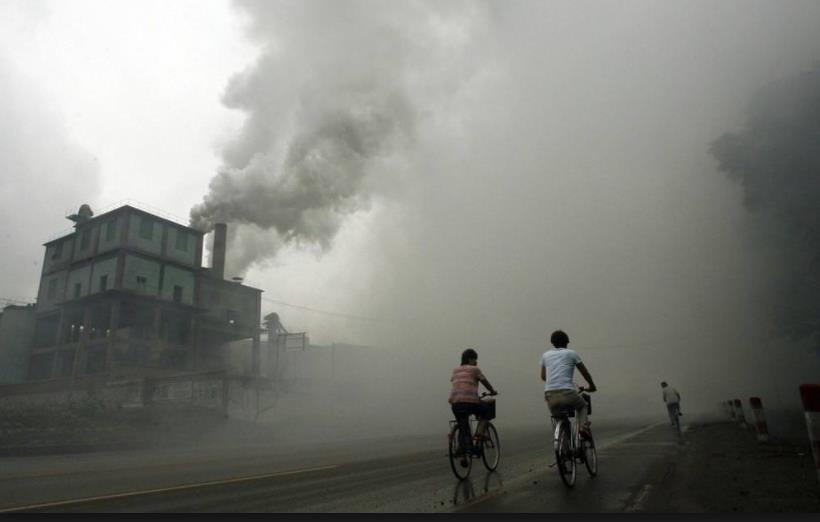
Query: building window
point(142, 283)
point(58, 251)
point(146, 228)
point(111, 230)
point(52, 289)
point(177, 294)
point(78, 289)
point(85, 239)
point(103, 283)
point(182, 240)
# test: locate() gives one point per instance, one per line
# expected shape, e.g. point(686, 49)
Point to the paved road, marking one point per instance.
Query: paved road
point(396, 475)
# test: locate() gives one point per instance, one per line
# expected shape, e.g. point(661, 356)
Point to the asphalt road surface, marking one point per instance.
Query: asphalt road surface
point(410, 474)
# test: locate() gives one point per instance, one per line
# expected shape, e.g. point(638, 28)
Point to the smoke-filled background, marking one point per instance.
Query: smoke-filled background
point(451, 174)
point(480, 174)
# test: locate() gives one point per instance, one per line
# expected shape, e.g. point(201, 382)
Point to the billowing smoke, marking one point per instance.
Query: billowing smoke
point(331, 104)
point(776, 159)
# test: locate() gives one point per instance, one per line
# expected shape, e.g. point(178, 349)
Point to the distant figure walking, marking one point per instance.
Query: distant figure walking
point(672, 399)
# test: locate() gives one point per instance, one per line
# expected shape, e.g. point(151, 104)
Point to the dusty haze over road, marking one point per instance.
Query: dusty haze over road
point(481, 173)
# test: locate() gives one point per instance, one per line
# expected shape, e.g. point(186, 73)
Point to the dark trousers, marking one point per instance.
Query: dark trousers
point(462, 412)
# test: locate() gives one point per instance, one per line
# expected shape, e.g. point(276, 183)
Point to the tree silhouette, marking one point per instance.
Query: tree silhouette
point(776, 159)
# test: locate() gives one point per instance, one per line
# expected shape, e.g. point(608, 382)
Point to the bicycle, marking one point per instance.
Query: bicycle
point(676, 416)
point(570, 447)
point(488, 450)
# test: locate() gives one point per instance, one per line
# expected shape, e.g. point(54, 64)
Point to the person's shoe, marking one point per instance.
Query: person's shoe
point(584, 432)
point(464, 462)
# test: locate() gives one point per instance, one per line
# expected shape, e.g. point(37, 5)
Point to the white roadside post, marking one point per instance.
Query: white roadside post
point(760, 421)
point(731, 405)
point(810, 395)
point(740, 416)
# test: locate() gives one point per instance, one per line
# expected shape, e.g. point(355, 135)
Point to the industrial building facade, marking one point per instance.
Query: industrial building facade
point(125, 294)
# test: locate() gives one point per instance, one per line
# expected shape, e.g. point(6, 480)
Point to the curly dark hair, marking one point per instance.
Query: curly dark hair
point(468, 354)
point(559, 339)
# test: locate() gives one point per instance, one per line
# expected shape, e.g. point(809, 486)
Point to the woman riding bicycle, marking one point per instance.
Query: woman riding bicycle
point(464, 396)
point(557, 366)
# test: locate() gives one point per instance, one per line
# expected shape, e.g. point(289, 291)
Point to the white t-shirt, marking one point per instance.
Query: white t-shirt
point(670, 395)
point(560, 364)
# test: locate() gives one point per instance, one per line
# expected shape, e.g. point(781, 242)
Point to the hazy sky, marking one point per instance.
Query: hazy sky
point(468, 173)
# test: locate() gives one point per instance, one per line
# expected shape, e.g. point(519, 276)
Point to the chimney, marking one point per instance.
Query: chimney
point(218, 254)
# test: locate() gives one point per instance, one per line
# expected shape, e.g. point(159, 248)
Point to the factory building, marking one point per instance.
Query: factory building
point(125, 294)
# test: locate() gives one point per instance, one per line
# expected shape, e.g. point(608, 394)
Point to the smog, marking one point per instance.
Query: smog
point(413, 179)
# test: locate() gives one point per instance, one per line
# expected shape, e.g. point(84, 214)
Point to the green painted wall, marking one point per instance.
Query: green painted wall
point(110, 232)
point(88, 251)
point(78, 276)
point(135, 239)
point(108, 268)
point(173, 247)
point(178, 277)
point(139, 267)
point(43, 301)
point(52, 263)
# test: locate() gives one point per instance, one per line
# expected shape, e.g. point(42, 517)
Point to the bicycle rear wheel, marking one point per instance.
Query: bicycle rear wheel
point(491, 449)
point(564, 457)
point(590, 455)
point(459, 455)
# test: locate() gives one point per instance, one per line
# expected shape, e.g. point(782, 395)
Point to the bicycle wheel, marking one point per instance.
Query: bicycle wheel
point(459, 455)
point(491, 449)
point(564, 457)
point(590, 455)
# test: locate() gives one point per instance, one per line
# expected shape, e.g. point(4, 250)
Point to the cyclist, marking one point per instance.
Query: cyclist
point(557, 366)
point(464, 397)
point(672, 399)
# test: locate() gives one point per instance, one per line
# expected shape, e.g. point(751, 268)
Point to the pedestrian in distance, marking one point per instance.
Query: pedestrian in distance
point(671, 398)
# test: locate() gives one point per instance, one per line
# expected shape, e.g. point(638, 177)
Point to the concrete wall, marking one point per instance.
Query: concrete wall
point(181, 245)
point(16, 331)
point(44, 303)
point(78, 276)
point(152, 244)
point(85, 250)
point(111, 232)
point(52, 261)
point(107, 268)
point(174, 276)
point(140, 267)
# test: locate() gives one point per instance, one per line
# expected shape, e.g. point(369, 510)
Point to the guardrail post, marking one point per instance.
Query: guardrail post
point(760, 421)
point(740, 415)
point(810, 395)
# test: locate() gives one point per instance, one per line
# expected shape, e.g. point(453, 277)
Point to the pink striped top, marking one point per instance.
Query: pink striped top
point(465, 383)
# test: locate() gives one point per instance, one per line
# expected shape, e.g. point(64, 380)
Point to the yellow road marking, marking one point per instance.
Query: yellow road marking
point(167, 489)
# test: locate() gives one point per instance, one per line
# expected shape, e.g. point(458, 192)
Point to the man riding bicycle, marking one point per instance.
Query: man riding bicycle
point(464, 396)
point(557, 367)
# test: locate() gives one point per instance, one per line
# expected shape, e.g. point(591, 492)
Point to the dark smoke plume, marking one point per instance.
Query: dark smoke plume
point(776, 159)
point(331, 102)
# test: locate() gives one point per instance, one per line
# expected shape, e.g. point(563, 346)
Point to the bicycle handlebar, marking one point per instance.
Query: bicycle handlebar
point(487, 394)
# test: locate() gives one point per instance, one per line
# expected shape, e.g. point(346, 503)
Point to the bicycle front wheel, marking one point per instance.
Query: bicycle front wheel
point(564, 457)
point(460, 460)
point(491, 449)
point(590, 455)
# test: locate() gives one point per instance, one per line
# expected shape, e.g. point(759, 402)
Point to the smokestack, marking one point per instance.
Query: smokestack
point(218, 254)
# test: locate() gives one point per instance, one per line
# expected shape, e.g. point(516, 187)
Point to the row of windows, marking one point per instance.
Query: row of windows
point(142, 285)
point(146, 231)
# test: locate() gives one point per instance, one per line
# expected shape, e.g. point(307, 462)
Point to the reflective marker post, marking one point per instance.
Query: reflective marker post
point(740, 416)
point(760, 420)
point(810, 395)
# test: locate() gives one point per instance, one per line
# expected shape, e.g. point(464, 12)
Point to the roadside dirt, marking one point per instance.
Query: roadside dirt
point(722, 468)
